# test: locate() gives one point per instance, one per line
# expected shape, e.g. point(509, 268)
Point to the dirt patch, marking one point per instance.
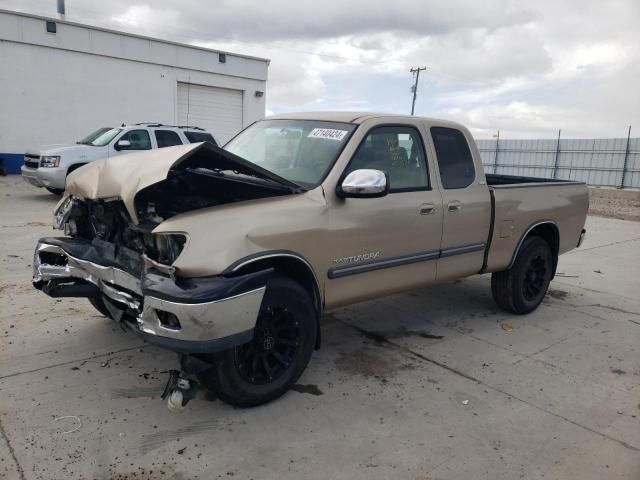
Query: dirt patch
point(558, 294)
point(370, 362)
point(147, 474)
point(622, 209)
point(310, 389)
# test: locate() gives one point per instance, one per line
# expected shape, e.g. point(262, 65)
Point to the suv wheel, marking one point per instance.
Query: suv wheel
point(265, 368)
point(521, 288)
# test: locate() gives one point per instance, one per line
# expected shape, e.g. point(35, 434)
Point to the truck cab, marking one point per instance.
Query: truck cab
point(49, 167)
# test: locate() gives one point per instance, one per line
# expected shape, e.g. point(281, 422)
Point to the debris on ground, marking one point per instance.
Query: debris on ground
point(507, 327)
point(465, 402)
point(70, 416)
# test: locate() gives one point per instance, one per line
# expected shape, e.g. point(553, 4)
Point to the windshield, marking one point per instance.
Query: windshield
point(93, 135)
point(104, 138)
point(301, 151)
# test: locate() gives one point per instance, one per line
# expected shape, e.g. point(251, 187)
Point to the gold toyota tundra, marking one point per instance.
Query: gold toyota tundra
point(229, 256)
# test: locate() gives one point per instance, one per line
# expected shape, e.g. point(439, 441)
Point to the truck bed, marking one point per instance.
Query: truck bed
point(518, 204)
point(496, 180)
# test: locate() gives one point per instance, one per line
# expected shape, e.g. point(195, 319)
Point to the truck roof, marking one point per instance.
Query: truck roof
point(356, 117)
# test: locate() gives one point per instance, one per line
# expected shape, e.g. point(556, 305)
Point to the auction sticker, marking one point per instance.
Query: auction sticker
point(327, 133)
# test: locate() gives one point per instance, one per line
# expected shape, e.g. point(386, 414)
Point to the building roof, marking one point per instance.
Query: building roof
point(63, 21)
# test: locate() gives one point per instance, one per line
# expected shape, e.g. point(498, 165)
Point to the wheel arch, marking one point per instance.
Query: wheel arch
point(74, 166)
point(289, 263)
point(548, 231)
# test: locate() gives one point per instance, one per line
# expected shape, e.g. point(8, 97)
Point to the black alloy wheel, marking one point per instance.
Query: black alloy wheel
point(522, 288)
point(283, 340)
point(273, 348)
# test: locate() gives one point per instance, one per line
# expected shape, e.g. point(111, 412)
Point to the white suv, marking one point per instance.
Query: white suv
point(49, 167)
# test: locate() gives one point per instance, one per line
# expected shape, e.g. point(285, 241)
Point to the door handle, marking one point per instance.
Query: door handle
point(427, 209)
point(454, 206)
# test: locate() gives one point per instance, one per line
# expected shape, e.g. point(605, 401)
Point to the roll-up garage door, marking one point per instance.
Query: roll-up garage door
point(217, 110)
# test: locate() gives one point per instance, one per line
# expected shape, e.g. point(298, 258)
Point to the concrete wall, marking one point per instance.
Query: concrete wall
point(56, 88)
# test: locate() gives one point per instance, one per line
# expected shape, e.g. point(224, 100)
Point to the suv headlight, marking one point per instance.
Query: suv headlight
point(62, 211)
point(50, 161)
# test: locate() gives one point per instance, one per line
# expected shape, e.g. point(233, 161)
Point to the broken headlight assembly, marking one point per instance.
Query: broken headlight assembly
point(62, 212)
point(167, 247)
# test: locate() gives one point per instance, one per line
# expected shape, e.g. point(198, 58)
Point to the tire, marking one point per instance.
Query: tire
point(99, 305)
point(55, 191)
point(521, 288)
point(284, 338)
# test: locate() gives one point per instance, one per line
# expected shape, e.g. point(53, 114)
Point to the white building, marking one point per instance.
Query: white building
point(61, 80)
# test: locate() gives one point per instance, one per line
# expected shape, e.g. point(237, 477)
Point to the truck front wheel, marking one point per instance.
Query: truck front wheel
point(265, 368)
point(521, 288)
point(98, 304)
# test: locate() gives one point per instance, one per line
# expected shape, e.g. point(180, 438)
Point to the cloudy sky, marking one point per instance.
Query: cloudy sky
point(526, 68)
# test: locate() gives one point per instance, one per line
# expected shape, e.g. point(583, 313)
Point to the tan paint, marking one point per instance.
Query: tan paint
point(564, 205)
point(321, 227)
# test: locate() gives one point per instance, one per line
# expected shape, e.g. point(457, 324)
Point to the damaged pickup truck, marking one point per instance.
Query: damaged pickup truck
point(229, 256)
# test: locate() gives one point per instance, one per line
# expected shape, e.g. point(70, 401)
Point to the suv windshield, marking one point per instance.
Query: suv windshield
point(301, 151)
point(92, 136)
point(104, 138)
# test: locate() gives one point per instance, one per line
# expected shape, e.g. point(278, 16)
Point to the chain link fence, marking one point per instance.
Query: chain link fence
point(613, 162)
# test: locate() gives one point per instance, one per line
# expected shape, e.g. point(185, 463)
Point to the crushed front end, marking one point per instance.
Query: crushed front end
point(128, 268)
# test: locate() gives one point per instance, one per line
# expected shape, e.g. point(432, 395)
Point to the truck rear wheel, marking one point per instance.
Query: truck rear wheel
point(521, 288)
point(265, 368)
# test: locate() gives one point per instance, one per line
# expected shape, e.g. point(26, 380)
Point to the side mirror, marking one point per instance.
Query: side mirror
point(123, 144)
point(364, 183)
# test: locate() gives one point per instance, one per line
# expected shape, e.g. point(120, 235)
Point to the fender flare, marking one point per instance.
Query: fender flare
point(527, 232)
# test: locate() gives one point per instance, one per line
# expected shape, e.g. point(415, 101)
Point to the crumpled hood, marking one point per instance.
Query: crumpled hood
point(125, 176)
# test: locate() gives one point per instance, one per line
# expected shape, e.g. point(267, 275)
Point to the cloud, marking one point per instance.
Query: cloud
point(526, 68)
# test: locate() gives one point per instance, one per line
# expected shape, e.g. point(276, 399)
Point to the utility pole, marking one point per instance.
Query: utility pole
point(416, 73)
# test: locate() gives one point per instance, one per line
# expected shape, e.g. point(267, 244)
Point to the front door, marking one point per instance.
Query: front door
point(138, 139)
point(381, 245)
point(466, 205)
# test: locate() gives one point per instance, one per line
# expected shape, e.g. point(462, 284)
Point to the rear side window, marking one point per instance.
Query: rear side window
point(454, 158)
point(167, 138)
point(195, 137)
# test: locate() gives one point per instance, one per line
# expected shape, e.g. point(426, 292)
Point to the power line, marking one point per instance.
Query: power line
point(416, 73)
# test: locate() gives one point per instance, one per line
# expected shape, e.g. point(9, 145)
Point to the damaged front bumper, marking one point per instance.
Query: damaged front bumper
point(186, 315)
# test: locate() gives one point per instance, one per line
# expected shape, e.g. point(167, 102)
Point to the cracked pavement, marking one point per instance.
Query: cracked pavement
point(421, 385)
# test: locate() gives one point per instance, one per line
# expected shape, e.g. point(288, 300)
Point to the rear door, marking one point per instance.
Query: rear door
point(466, 204)
point(166, 138)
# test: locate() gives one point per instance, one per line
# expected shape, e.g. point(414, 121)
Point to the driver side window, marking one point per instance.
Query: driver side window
point(139, 140)
point(397, 151)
